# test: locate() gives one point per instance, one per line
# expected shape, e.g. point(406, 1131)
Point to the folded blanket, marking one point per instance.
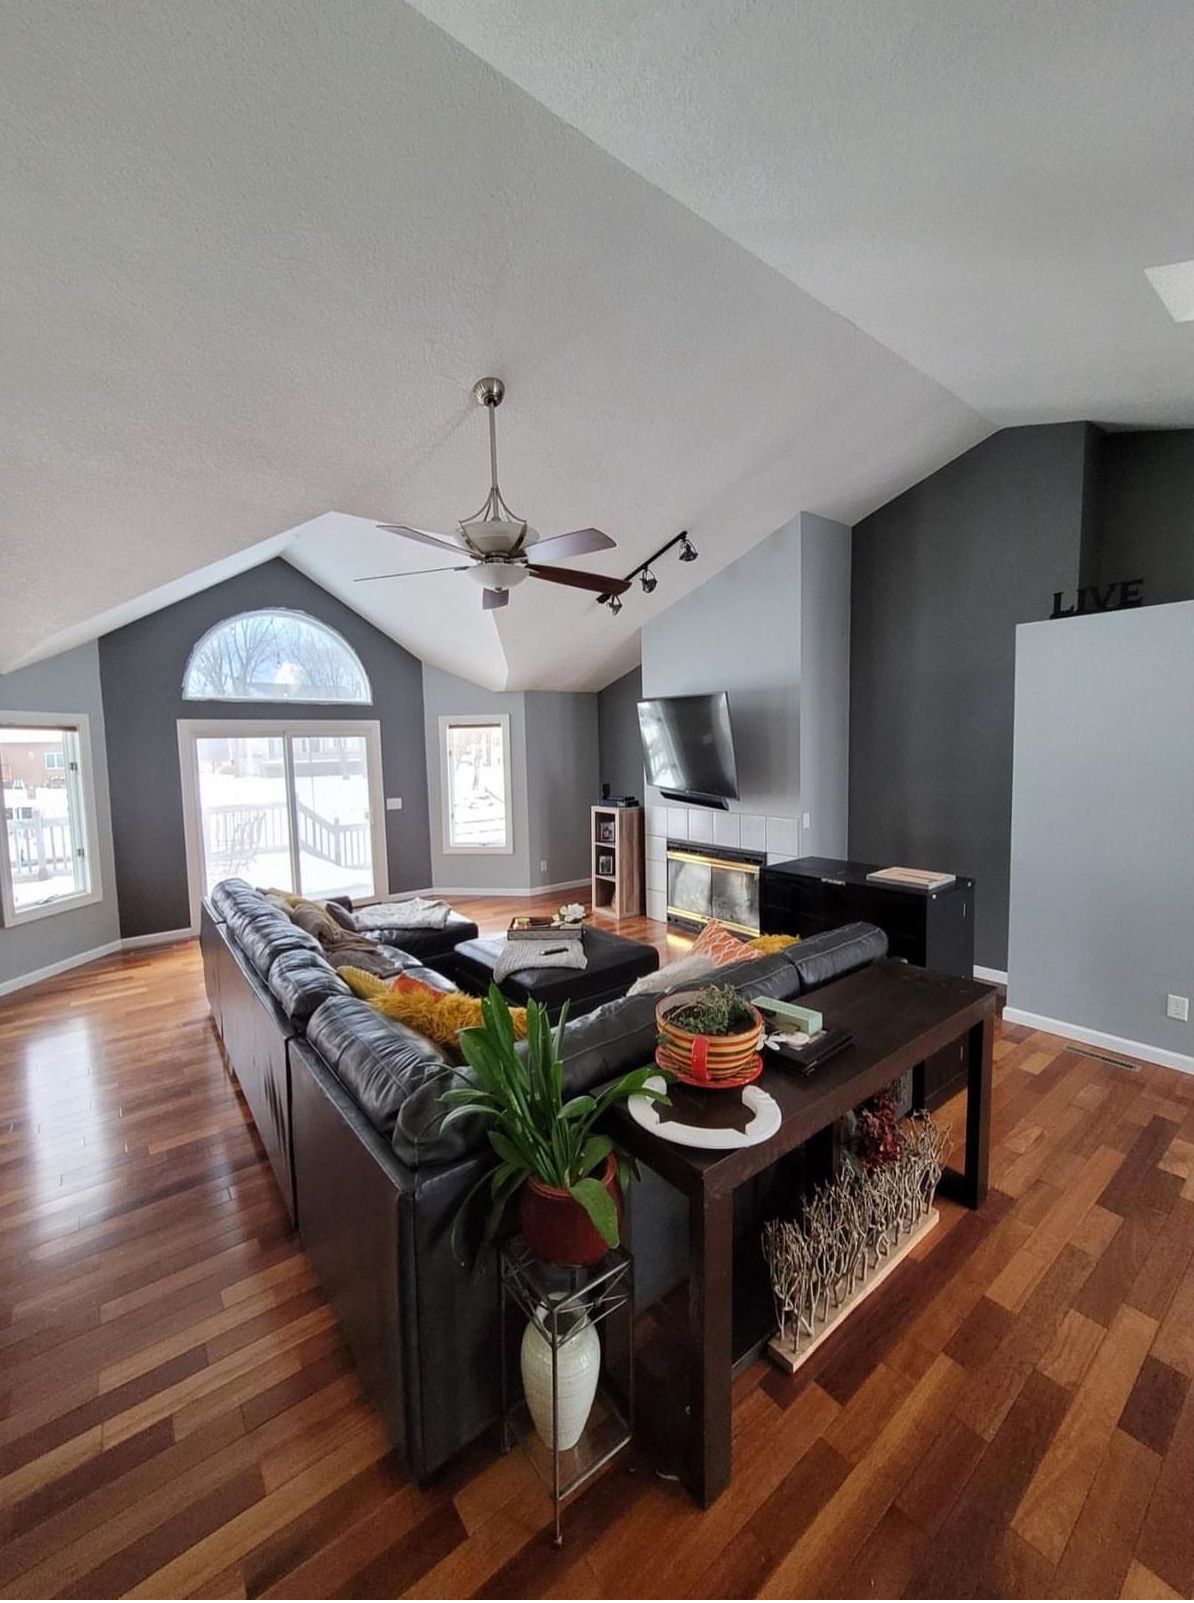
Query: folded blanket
point(517, 955)
point(414, 913)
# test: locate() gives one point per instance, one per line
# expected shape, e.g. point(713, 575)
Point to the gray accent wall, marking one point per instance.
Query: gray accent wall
point(141, 668)
point(1143, 514)
point(740, 632)
point(824, 685)
point(619, 742)
point(1102, 861)
point(553, 781)
point(69, 683)
point(941, 577)
point(562, 783)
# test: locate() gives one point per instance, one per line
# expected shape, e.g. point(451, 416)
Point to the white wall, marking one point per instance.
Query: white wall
point(1102, 884)
point(67, 683)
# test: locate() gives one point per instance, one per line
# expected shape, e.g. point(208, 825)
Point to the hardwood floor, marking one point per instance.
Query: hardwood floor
point(1012, 1415)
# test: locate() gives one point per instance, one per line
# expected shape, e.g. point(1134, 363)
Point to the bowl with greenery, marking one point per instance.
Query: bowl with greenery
point(566, 1173)
point(709, 1037)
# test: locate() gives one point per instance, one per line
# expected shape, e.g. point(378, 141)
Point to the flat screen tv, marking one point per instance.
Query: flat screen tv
point(688, 748)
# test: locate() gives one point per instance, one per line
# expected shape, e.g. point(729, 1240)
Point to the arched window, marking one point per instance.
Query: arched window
point(274, 656)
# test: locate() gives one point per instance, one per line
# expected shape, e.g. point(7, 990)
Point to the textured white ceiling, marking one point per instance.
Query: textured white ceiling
point(254, 257)
point(980, 184)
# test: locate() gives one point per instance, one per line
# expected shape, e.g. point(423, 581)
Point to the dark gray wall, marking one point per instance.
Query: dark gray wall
point(141, 668)
point(1143, 517)
point(940, 578)
point(562, 746)
point(620, 748)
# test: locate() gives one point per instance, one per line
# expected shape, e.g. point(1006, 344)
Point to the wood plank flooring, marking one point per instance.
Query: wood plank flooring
point(1012, 1416)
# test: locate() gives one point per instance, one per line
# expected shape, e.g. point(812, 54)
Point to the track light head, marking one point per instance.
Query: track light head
point(648, 581)
point(688, 552)
point(615, 604)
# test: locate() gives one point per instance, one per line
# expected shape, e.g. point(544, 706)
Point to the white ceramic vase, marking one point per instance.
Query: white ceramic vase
point(579, 1365)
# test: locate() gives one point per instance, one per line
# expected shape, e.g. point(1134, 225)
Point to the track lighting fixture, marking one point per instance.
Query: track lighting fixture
point(645, 572)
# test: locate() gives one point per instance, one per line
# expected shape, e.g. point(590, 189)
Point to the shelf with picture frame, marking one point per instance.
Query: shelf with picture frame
point(618, 868)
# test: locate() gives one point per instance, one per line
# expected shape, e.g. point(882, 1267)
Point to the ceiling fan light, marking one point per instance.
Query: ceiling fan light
point(648, 581)
point(498, 575)
point(688, 552)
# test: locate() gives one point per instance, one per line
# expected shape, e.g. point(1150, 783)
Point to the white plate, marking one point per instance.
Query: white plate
point(764, 1122)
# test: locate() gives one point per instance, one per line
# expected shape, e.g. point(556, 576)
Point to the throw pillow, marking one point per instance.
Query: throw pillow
point(680, 972)
point(718, 944)
point(438, 1015)
point(773, 943)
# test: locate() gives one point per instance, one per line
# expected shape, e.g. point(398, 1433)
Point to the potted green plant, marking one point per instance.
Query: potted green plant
point(566, 1174)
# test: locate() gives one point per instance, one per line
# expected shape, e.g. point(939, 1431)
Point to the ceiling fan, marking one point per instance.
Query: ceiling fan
point(497, 543)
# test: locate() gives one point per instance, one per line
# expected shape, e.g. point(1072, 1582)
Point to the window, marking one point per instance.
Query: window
point(475, 783)
point(48, 864)
point(274, 656)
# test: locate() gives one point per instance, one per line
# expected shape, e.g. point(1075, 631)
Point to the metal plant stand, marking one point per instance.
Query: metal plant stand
point(602, 1294)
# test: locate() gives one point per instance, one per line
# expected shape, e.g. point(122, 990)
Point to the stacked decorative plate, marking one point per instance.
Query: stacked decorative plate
point(711, 1062)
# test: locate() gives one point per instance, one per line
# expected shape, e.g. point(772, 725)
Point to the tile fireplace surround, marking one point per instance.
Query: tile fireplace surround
point(771, 839)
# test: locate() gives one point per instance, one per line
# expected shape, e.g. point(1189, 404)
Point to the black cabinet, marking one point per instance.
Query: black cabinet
point(933, 929)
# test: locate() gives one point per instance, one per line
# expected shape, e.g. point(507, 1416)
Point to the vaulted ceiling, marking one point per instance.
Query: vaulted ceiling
point(733, 261)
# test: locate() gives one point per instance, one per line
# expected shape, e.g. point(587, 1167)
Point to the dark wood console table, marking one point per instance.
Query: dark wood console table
point(898, 1016)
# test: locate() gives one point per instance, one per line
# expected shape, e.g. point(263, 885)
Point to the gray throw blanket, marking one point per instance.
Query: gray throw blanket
point(517, 955)
point(415, 913)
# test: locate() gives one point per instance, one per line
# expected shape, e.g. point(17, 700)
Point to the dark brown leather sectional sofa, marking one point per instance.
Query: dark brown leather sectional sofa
point(347, 1106)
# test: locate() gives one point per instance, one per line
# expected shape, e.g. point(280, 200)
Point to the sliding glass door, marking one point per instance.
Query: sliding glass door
point(294, 807)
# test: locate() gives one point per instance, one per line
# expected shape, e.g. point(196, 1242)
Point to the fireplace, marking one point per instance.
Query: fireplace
point(706, 882)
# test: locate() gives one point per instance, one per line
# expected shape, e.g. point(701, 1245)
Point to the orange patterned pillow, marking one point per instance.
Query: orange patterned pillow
point(719, 945)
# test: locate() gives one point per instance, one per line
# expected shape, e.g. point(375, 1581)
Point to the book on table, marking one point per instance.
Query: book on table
point(913, 879)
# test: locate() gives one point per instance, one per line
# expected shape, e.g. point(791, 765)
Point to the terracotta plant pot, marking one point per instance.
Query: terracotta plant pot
point(557, 1229)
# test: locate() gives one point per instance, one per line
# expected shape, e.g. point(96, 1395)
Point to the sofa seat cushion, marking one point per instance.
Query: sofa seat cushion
point(826, 957)
point(300, 981)
point(379, 1063)
point(410, 967)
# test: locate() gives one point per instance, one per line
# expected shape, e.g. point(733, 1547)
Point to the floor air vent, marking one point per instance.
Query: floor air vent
point(1104, 1057)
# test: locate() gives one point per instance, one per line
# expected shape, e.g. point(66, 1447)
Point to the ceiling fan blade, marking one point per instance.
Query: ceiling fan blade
point(602, 583)
point(493, 598)
point(576, 544)
point(411, 573)
point(423, 535)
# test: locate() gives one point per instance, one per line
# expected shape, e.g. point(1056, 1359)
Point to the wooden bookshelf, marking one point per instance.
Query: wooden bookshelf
point(616, 842)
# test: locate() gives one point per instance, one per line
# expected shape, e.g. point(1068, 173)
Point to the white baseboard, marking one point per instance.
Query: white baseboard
point(35, 976)
point(132, 943)
point(448, 891)
point(1109, 1043)
point(993, 976)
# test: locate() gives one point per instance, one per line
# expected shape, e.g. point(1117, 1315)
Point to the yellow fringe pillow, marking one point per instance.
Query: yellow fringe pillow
point(438, 1015)
point(772, 943)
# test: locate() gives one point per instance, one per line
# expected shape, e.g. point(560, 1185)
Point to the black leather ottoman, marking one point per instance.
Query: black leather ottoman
point(615, 962)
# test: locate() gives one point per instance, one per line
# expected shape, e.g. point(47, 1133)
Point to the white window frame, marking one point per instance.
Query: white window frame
point(79, 725)
point(456, 720)
point(192, 730)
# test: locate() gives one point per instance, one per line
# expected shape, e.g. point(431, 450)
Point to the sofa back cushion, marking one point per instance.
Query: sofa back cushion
point(378, 1062)
point(300, 981)
point(264, 937)
point(827, 957)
